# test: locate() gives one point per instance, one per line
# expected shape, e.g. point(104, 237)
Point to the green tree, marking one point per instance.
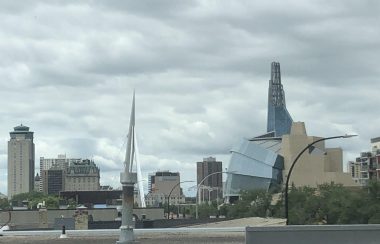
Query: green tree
point(334, 204)
point(33, 198)
point(4, 204)
point(72, 204)
point(205, 210)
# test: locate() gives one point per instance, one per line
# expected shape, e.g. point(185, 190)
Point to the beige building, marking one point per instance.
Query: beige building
point(161, 184)
point(323, 165)
point(82, 176)
point(20, 161)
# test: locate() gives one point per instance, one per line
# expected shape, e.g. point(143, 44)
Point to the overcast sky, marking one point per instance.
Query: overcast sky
point(200, 70)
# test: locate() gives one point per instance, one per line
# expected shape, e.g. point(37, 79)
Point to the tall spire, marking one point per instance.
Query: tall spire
point(279, 119)
point(132, 154)
point(277, 95)
point(131, 137)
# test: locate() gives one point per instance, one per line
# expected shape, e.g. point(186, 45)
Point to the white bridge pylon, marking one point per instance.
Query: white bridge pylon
point(139, 175)
point(133, 155)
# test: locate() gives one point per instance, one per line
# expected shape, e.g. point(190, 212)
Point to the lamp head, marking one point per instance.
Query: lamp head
point(348, 136)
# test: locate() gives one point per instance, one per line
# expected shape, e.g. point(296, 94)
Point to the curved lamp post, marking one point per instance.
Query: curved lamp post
point(172, 191)
point(200, 183)
point(309, 146)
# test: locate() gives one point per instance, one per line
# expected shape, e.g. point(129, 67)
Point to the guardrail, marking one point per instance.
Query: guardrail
point(314, 234)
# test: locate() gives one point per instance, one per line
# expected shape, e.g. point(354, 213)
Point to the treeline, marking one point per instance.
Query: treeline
point(325, 204)
point(32, 199)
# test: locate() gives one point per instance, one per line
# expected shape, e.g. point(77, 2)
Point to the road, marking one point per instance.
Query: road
point(156, 236)
point(157, 239)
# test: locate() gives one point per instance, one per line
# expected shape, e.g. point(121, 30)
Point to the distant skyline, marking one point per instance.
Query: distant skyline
point(200, 69)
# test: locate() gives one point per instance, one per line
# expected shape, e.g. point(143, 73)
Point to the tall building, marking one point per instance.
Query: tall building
point(161, 183)
point(82, 176)
point(61, 162)
point(20, 161)
point(279, 120)
point(212, 187)
point(366, 167)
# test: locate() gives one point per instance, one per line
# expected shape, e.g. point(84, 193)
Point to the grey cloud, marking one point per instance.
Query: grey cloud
point(200, 70)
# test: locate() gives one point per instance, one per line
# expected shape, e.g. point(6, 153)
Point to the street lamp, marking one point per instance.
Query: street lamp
point(200, 183)
point(172, 191)
point(210, 189)
point(309, 146)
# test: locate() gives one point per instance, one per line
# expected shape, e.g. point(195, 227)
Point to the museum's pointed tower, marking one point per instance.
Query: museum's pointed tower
point(279, 119)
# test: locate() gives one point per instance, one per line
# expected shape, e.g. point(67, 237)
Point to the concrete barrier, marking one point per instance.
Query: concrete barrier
point(314, 234)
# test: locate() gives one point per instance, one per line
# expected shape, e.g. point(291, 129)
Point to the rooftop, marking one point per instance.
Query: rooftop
point(21, 128)
point(376, 139)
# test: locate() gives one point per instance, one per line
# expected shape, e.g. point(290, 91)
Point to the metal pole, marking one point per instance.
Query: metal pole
point(196, 202)
point(292, 166)
point(172, 191)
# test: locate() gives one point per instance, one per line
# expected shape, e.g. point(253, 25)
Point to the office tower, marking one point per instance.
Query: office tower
point(151, 178)
point(20, 161)
point(61, 162)
point(82, 176)
point(212, 187)
point(279, 120)
point(53, 180)
point(161, 183)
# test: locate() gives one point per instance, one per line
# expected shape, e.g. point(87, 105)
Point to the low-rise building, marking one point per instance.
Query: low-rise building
point(61, 162)
point(366, 167)
point(315, 167)
point(82, 176)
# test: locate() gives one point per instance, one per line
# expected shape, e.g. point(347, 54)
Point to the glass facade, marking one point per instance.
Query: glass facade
point(254, 164)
